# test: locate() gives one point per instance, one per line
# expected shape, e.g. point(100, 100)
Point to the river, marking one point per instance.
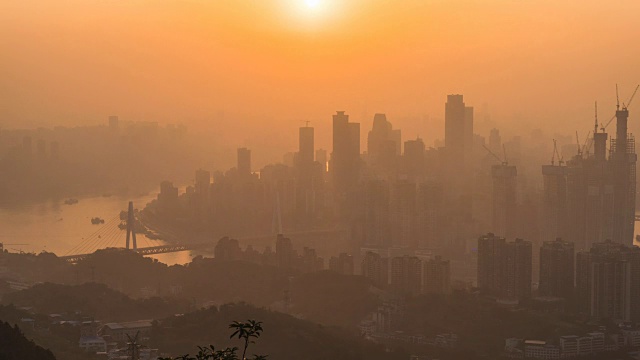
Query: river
point(59, 228)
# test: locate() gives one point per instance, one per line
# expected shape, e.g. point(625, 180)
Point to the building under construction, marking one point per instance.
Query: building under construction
point(598, 202)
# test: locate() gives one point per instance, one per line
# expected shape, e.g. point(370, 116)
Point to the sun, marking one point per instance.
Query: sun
point(312, 4)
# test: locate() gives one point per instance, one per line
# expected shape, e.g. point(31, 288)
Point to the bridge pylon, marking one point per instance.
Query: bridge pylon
point(131, 227)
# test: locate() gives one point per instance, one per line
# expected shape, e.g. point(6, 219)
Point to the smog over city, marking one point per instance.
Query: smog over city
point(319, 179)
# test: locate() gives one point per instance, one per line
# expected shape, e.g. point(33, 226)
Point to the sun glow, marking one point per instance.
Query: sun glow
point(313, 8)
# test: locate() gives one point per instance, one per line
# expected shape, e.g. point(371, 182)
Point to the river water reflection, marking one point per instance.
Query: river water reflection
point(57, 227)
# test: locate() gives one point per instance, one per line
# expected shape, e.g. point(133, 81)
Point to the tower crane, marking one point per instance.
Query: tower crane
point(624, 106)
point(503, 162)
point(556, 153)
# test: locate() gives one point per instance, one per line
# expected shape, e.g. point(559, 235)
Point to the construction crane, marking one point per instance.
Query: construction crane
point(587, 141)
point(624, 106)
point(578, 143)
point(503, 162)
point(556, 153)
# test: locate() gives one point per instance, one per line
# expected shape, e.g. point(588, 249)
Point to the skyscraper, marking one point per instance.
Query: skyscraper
point(557, 261)
point(504, 200)
point(202, 195)
point(383, 145)
point(624, 171)
point(429, 205)
point(306, 147)
point(244, 161)
point(345, 158)
point(491, 264)
point(403, 214)
point(414, 159)
point(377, 222)
point(458, 130)
point(518, 269)
point(458, 141)
point(554, 201)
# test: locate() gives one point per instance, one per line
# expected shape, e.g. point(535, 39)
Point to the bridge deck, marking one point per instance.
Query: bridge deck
point(152, 250)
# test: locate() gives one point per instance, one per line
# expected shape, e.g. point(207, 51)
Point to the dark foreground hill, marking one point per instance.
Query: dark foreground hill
point(285, 337)
point(15, 346)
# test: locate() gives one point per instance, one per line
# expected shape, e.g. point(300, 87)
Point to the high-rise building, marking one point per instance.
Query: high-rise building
point(285, 254)
point(577, 202)
point(345, 158)
point(168, 199)
point(376, 268)
point(495, 141)
point(429, 205)
point(554, 201)
point(557, 260)
point(623, 159)
point(403, 214)
point(491, 264)
point(342, 264)
point(306, 147)
point(377, 221)
point(504, 268)
point(406, 274)
point(244, 161)
point(458, 141)
point(383, 145)
point(458, 131)
point(321, 158)
point(414, 158)
point(200, 199)
point(437, 276)
point(518, 269)
point(608, 281)
point(504, 200)
point(203, 183)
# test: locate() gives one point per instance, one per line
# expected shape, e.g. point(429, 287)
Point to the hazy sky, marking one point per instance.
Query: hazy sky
point(269, 64)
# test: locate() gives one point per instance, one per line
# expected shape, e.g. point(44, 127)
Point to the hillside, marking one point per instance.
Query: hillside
point(93, 300)
point(285, 337)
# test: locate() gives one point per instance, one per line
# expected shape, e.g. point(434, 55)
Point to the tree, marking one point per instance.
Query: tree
point(246, 331)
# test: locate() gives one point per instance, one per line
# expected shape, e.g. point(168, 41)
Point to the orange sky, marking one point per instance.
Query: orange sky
point(268, 64)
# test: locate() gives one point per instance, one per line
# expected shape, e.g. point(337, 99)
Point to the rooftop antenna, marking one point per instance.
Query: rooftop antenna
point(617, 99)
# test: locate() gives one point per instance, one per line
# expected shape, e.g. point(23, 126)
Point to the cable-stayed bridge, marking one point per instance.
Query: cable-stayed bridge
point(110, 235)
